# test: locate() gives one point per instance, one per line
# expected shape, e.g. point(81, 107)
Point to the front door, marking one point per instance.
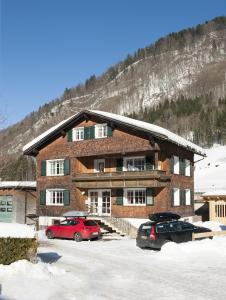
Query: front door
point(6, 208)
point(100, 202)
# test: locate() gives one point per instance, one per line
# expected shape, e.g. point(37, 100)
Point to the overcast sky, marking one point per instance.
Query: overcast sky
point(48, 45)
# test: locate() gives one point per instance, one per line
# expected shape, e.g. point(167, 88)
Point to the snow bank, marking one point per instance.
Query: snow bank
point(136, 222)
point(16, 230)
point(24, 267)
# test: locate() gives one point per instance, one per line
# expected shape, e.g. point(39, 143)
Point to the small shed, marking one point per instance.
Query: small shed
point(17, 200)
point(217, 205)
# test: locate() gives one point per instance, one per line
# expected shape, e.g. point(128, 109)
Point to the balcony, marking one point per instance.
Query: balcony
point(122, 179)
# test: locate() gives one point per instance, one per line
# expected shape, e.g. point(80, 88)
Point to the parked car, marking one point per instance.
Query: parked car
point(165, 227)
point(76, 228)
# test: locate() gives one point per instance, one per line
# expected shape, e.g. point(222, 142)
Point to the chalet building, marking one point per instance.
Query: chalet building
point(112, 165)
point(17, 201)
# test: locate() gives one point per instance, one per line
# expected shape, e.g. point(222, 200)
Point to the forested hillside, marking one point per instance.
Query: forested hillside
point(178, 82)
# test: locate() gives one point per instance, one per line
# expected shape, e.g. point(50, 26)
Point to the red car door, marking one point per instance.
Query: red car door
point(69, 229)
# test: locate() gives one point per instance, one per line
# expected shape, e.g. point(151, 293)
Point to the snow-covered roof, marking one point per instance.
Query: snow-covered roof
point(17, 184)
point(139, 125)
point(215, 193)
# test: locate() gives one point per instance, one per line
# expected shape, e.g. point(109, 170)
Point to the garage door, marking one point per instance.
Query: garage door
point(6, 208)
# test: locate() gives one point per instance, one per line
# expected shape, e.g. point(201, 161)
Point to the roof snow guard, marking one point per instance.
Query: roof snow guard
point(155, 130)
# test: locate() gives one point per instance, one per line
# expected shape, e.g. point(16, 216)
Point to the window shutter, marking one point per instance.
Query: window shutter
point(172, 165)
point(172, 197)
point(192, 197)
point(89, 132)
point(92, 132)
point(182, 167)
point(149, 163)
point(119, 165)
point(43, 168)
point(182, 197)
point(66, 197)
point(42, 198)
point(69, 135)
point(66, 167)
point(119, 196)
point(86, 133)
point(149, 197)
point(109, 131)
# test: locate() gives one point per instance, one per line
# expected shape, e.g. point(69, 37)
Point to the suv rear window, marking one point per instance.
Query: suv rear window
point(90, 223)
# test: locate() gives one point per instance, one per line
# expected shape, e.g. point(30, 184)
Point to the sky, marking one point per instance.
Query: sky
point(49, 45)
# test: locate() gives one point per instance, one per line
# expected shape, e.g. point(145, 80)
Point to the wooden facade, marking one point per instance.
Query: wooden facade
point(83, 182)
point(217, 206)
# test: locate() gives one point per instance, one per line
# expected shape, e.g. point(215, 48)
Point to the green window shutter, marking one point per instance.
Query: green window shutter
point(42, 198)
point(89, 132)
point(182, 197)
point(66, 197)
point(109, 131)
point(86, 133)
point(149, 163)
point(66, 167)
point(172, 197)
point(119, 196)
point(172, 165)
point(149, 197)
point(182, 167)
point(69, 135)
point(43, 168)
point(92, 132)
point(119, 165)
point(192, 197)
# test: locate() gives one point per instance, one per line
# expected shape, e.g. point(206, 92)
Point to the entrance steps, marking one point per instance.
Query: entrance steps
point(116, 225)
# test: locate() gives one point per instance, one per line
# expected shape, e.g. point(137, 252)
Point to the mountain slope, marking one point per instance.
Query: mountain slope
point(190, 63)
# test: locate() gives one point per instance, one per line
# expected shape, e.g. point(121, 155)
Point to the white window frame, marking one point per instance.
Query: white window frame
point(187, 197)
point(49, 197)
point(49, 167)
point(103, 128)
point(96, 162)
point(125, 198)
point(133, 158)
point(176, 165)
point(187, 167)
point(78, 131)
point(176, 197)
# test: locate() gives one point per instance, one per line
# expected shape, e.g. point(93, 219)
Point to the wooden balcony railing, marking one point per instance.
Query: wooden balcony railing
point(152, 178)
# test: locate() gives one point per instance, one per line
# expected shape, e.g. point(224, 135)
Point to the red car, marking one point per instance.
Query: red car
point(74, 228)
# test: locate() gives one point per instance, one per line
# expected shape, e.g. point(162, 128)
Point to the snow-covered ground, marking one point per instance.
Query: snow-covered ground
point(117, 269)
point(210, 173)
point(17, 230)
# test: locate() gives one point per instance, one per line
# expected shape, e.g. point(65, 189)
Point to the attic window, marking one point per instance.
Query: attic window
point(101, 131)
point(78, 134)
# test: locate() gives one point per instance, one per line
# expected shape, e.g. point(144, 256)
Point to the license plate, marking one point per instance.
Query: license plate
point(95, 233)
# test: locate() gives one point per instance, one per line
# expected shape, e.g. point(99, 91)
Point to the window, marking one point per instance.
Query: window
point(175, 197)
point(78, 134)
point(187, 197)
point(135, 197)
point(55, 167)
point(187, 167)
point(55, 197)
point(101, 131)
point(99, 165)
point(134, 163)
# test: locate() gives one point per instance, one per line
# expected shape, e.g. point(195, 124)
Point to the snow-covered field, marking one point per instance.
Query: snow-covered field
point(116, 269)
point(210, 173)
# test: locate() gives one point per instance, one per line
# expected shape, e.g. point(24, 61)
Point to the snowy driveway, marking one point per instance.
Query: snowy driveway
point(117, 269)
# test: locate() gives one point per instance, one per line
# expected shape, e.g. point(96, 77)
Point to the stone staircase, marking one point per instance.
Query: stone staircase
point(116, 225)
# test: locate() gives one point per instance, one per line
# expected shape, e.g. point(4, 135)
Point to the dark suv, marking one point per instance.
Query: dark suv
point(165, 227)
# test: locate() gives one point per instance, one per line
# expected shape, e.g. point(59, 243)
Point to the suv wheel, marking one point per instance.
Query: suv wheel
point(77, 237)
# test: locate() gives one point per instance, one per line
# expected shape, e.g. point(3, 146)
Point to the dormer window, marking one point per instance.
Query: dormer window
point(101, 131)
